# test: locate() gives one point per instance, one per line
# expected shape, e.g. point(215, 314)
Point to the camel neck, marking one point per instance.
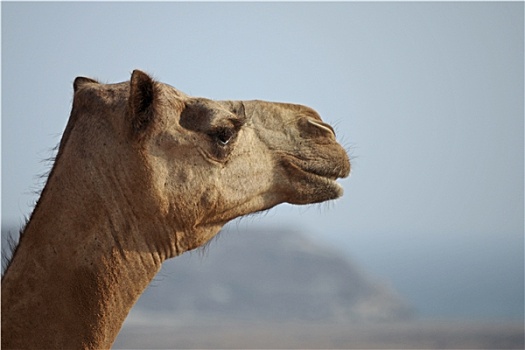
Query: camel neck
point(75, 275)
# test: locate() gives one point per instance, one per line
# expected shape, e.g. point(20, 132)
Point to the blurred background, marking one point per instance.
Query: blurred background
point(425, 248)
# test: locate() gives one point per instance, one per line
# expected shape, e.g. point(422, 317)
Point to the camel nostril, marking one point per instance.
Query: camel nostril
point(321, 125)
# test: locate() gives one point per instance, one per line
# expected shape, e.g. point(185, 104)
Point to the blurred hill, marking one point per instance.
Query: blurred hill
point(276, 289)
point(275, 275)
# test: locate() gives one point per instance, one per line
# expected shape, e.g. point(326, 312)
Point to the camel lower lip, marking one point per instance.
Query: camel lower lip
point(332, 181)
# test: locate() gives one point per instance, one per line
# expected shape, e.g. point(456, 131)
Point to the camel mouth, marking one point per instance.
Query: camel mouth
point(328, 180)
point(329, 169)
point(326, 173)
point(316, 180)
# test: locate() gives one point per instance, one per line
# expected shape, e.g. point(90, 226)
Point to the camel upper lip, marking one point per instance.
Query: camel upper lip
point(334, 169)
point(331, 171)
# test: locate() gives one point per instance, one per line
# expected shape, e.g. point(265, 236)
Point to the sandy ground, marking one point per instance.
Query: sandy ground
point(249, 335)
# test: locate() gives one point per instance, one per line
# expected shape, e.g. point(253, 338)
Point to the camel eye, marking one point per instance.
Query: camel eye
point(224, 136)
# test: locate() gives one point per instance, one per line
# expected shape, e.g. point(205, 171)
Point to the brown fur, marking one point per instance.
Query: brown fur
point(145, 173)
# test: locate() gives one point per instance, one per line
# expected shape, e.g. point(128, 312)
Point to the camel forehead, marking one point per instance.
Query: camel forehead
point(286, 108)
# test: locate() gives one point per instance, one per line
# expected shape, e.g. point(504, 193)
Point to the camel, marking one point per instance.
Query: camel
point(144, 173)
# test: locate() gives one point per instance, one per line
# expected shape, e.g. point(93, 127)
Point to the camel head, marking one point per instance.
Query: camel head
point(189, 165)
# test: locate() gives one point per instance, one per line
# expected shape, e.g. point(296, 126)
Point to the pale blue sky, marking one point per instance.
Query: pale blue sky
point(428, 97)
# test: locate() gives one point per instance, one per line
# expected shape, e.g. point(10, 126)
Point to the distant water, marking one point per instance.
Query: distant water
point(480, 278)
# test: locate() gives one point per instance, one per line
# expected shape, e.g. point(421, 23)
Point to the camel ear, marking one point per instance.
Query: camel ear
point(81, 81)
point(141, 100)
